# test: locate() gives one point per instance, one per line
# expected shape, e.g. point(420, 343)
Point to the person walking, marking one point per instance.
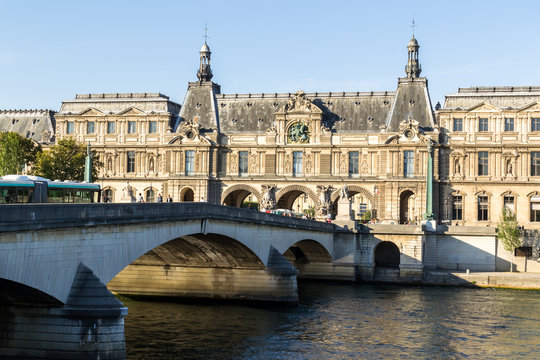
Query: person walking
point(140, 198)
point(159, 198)
point(169, 199)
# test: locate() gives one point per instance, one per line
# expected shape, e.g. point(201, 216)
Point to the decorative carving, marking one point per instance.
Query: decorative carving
point(46, 136)
point(253, 163)
point(509, 163)
point(409, 128)
point(269, 197)
point(234, 163)
point(298, 102)
point(191, 129)
point(287, 164)
point(298, 133)
point(323, 200)
point(308, 163)
point(343, 163)
point(364, 167)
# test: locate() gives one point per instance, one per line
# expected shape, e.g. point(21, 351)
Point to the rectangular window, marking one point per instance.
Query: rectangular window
point(243, 161)
point(457, 207)
point(483, 163)
point(353, 163)
point(508, 124)
point(483, 124)
point(190, 162)
point(483, 206)
point(130, 168)
point(70, 127)
point(90, 127)
point(132, 127)
point(509, 203)
point(408, 163)
point(535, 163)
point(535, 208)
point(458, 124)
point(535, 124)
point(297, 163)
point(152, 127)
point(111, 127)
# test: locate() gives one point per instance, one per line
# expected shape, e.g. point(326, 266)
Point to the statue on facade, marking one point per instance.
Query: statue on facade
point(268, 199)
point(323, 200)
point(509, 169)
point(344, 194)
point(457, 168)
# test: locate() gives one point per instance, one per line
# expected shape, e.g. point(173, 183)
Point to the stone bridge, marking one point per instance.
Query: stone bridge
point(55, 261)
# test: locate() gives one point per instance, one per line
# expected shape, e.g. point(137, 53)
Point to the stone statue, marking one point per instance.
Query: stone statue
point(344, 194)
point(457, 169)
point(268, 199)
point(509, 169)
point(323, 201)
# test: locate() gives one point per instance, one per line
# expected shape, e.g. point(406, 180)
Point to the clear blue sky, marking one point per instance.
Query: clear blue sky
point(52, 50)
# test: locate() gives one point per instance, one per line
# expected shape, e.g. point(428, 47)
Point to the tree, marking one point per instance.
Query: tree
point(16, 152)
point(508, 233)
point(65, 161)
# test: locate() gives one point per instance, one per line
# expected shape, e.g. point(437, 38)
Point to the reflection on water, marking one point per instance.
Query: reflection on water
point(344, 322)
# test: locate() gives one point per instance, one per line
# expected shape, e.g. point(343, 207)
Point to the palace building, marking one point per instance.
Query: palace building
point(320, 151)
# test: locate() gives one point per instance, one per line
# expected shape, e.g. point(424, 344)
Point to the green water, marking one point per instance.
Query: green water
point(344, 322)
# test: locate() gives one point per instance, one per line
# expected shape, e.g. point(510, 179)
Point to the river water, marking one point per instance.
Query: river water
point(344, 321)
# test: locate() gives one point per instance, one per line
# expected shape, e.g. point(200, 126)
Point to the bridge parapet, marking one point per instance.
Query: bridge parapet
point(49, 216)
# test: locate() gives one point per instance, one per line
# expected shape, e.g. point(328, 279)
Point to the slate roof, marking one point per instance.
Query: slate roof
point(344, 112)
point(38, 125)
point(114, 103)
point(499, 96)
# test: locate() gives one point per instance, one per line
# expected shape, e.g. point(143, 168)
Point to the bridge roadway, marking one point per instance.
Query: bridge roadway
point(55, 260)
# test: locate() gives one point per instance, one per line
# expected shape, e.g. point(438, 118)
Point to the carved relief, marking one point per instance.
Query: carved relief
point(269, 197)
point(308, 163)
point(343, 163)
point(364, 167)
point(190, 129)
point(298, 133)
point(409, 128)
point(253, 163)
point(299, 102)
point(234, 163)
point(287, 164)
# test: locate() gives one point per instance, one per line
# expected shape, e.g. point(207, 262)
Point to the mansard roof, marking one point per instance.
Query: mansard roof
point(115, 103)
point(344, 112)
point(503, 97)
point(38, 125)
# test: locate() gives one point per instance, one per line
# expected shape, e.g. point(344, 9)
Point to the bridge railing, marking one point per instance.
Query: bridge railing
point(23, 217)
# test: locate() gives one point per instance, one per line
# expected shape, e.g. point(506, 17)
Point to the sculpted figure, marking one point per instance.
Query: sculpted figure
point(268, 199)
point(457, 169)
point(344, 192)
point(323, 201)
point(509, 168)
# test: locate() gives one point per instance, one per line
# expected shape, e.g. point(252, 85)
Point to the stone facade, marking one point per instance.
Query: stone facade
point(287, 150)
point(302, 150)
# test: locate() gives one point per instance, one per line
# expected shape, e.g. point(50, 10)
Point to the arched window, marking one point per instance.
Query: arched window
point(150, 195)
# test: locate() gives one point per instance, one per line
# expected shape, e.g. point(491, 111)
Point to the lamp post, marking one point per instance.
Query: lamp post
point(429, 183)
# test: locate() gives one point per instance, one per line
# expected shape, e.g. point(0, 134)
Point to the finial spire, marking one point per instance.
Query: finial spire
point(205, 73)
point(413, 26)
point(413, 68)
point(205, 32)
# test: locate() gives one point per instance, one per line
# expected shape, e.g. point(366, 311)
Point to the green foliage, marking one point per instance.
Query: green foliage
point(508, 231)
point(65, 161)
point(250, 205)
point(310, 212)
point(366, 216)
point(15, 152)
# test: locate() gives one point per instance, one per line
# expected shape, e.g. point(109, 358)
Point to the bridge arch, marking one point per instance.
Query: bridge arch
point(306, 251)
point(286, 196)
point(236, 194)
point(387, 254)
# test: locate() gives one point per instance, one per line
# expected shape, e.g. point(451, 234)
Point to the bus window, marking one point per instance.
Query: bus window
point(69, 195)
point(55, 196)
